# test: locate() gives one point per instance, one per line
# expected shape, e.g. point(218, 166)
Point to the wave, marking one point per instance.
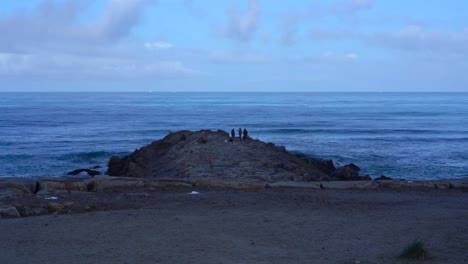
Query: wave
point(359, 131)
point(89, 157)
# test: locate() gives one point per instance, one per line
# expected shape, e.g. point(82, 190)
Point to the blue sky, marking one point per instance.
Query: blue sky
point(234, 45)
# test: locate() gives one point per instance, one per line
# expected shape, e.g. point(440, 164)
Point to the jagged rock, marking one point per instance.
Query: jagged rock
point(54, 207)
point(350, 172)
point(26, 185)
point(90, 172)
point(383, 178)
point(208, 154)
point(326, 166)
point(9, 211)
point(31, 211)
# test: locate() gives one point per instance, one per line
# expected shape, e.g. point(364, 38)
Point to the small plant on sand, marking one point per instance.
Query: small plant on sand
point(414, 250)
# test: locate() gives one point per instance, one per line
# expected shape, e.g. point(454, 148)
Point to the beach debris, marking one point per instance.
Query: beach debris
point(194, 193)
point(51, 198)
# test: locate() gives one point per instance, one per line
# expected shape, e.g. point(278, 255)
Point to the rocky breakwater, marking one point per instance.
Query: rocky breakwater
point(213, 156)
point(183, 162)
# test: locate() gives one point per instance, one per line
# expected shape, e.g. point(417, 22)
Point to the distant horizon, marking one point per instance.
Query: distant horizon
point(240, 92)
point(233, 45)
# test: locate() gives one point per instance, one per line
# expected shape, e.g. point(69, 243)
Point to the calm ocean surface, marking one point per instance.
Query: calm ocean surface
point(401, 135)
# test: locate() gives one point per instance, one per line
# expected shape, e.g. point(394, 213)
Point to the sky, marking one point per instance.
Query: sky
point(234, 45)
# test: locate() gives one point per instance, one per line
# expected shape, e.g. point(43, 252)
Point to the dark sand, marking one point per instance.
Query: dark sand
point(226, 226)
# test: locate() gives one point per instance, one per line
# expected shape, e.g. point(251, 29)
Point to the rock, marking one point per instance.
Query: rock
point(9, 211)
point(31, 211)
point(90, 172)
point(115, 166)
point(101, 183)
point(347, 173)
point(362, 178)
point(207, 154)
point(11, 193)
point(27, 185)
point(228, 185)
point(326, 166)
point(67, 184)
point(383, 178)
point(168, 183)
point(54, 207)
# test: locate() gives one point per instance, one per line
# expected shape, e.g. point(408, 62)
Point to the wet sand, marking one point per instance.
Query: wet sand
point(233, 226)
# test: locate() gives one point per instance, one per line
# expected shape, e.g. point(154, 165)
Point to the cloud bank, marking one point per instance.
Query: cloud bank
point(51, 41)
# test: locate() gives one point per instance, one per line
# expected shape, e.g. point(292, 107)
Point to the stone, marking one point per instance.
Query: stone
point(383, 178)
point(11, 193)
point(27, 185)
point(31, 211)
point(115, 166)
point(101, 183)
point(67, 184)
point(228, 185)
point(347, 173)
point(54, 207)
point(206, 154)
point(9, 211)
point(89, 172)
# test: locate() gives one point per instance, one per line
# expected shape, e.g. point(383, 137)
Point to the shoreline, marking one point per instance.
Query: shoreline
point(20, 197)
point(274, 225)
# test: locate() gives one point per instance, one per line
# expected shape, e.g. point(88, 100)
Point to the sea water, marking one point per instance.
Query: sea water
point(400, 135)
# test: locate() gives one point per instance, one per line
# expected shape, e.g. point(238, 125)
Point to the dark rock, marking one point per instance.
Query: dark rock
point(348, 172)
point(9, 211)
point(363, 178)
point(326, 166)
point(115, 166)
point(383, 178)
point(54, 207)
point(31, 211)
point(65, 184)
point(27, 185)
point(208, 154)
point(90, 172)
point(11, 193)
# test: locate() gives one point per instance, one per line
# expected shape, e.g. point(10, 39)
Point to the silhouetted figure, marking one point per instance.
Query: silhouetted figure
point(245, 134)
point(233, 134)
point(240, 133)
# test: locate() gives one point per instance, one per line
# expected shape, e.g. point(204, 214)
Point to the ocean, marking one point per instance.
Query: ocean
point(401, 135)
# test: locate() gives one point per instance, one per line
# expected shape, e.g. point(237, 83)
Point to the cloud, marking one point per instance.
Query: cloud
point(50, 41)
point(242, 26)
point(66, 66)
point(414, 38)
point(291, 21)
point(118, 18)
point(55, 25)
point(289, 26)
point(158, 45)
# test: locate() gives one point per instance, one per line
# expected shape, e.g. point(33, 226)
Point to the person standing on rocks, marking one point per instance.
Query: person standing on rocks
point(245, 134)
point(233, 134)
point(240, 133)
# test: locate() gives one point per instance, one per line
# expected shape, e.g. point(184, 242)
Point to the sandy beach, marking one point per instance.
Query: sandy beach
point(285, 225)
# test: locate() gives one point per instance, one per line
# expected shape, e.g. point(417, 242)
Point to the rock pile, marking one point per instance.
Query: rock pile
point(214, 155)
